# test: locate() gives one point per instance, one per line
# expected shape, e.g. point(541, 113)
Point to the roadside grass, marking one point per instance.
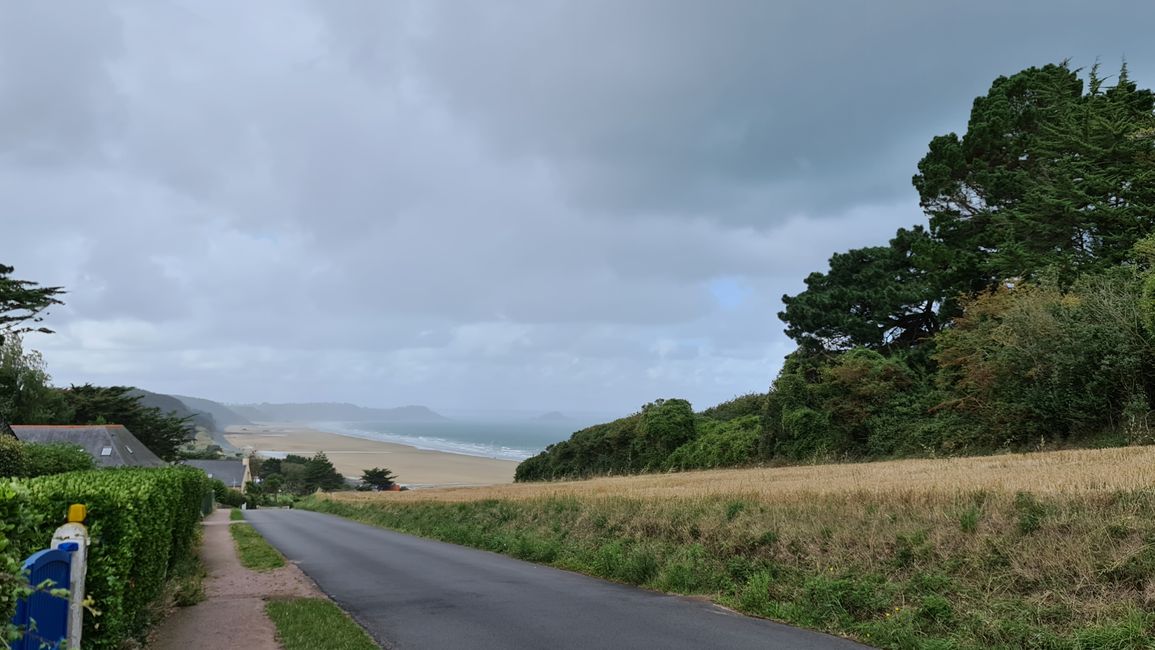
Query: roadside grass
point(312, 623)
point(236, 514)
point(1054, 552)
point(254, 552)
point(185, 586)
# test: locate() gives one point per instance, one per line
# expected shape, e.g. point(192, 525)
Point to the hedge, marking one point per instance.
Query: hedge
point(142, 522)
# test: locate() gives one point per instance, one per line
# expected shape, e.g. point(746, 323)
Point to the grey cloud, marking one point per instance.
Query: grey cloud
point(475, 204)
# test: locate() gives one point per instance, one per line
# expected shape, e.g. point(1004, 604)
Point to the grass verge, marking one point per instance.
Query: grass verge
point(902, 569)
point(236, 514)
point(311, 623)
point(255, 553)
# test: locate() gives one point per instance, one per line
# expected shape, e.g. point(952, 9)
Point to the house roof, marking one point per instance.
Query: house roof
point(230, 472)
point(111, 445)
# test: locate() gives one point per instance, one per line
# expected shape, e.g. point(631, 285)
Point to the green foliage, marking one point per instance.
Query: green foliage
point(225, 495)
point(252, 549)
point(641, 442)
point(321, 475)
point(13, 457)
point(142, 523)
point(870, 297)
point(19, 523)
point(298, 475)
point(56, 458)
point(310, 623)
point(720, 444)
point(379, 478)
point(26, 394)
point(22, 303)
point(1036, 364)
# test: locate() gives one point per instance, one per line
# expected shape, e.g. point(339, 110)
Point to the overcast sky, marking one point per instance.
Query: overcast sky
point(547, 204)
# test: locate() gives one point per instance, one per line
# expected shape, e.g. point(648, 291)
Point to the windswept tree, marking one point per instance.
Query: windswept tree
point(22, 306)
point(378, 478)
point(1049, 175)
point(1051, 178)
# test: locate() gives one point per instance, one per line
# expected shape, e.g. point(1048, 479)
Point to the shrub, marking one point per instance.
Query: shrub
point(56, 458)
point(18, 524)
point(13, 457)
point(227, 496)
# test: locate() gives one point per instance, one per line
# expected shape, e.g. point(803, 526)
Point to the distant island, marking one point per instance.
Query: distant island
point(334, 412)
point(552, 416)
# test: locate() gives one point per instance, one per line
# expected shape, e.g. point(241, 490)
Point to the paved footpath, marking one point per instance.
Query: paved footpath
point(419, 594)
point(233, 612)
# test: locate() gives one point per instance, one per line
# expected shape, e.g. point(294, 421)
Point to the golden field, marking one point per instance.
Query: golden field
point(1058, 472)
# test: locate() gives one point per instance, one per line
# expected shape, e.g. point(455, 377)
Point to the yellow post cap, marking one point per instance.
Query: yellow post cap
point(77, 512)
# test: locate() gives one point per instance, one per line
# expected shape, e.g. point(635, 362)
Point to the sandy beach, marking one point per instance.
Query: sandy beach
point(413, 467)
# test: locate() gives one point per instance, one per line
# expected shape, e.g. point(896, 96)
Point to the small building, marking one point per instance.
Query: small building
point(111, 445)
point(233, 473)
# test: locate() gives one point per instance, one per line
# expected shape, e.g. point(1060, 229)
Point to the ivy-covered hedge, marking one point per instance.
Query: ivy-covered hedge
point(142, 522)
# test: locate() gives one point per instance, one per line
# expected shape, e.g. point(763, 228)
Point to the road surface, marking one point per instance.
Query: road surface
point(412, 593)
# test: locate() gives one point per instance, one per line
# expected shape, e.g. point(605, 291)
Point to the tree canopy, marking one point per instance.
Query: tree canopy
point(22, 303)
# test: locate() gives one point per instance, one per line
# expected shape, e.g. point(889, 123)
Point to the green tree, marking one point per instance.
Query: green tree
point(26, 395)
point(379, 478)
point(22, 303)
point(874, 297)
point(1046, 175)
point(22, 306)
point(321, 475)
point(162, 433)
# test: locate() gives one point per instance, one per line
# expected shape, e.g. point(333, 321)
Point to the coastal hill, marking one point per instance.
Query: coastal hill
point(171, 405)
point(221, 414)
point(334, 412)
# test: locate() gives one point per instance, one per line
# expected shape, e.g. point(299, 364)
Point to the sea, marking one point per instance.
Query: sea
point(506, 440)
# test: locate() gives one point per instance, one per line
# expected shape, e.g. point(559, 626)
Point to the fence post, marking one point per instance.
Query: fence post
point(73, 536)
point(42, 616)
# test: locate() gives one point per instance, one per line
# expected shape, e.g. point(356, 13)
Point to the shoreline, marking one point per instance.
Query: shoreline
point(414, 467)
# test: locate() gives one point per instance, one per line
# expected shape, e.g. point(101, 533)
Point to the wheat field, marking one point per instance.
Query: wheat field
point(1056, 472)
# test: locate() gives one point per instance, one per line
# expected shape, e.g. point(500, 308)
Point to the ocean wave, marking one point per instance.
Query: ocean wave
point(431, 443)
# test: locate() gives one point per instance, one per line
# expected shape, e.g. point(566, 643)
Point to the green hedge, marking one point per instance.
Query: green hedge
point(142, 522)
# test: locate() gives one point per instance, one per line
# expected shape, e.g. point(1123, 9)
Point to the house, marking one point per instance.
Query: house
point(233, 473)
point(111, 445)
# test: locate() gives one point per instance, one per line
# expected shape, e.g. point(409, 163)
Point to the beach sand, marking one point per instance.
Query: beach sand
point(413, 467)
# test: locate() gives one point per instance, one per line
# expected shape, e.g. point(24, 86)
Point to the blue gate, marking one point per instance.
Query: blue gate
point(43, 617)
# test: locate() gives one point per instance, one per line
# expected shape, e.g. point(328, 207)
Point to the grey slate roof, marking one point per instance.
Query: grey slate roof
point(229, 472)
point(111, 445)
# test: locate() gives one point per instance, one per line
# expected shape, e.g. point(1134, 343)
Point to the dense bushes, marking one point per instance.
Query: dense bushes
point(56, 458)
point(664, 434)
point(27, 460)
point(142, 523)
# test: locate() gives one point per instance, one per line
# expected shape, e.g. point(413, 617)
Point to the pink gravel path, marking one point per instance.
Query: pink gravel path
point(233, 612)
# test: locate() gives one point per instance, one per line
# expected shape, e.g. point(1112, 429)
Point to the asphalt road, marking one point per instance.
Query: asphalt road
point(412, 593)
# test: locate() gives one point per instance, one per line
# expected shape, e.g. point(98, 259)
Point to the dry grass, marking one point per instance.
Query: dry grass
point(1046, 550)
point(1059, 472)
